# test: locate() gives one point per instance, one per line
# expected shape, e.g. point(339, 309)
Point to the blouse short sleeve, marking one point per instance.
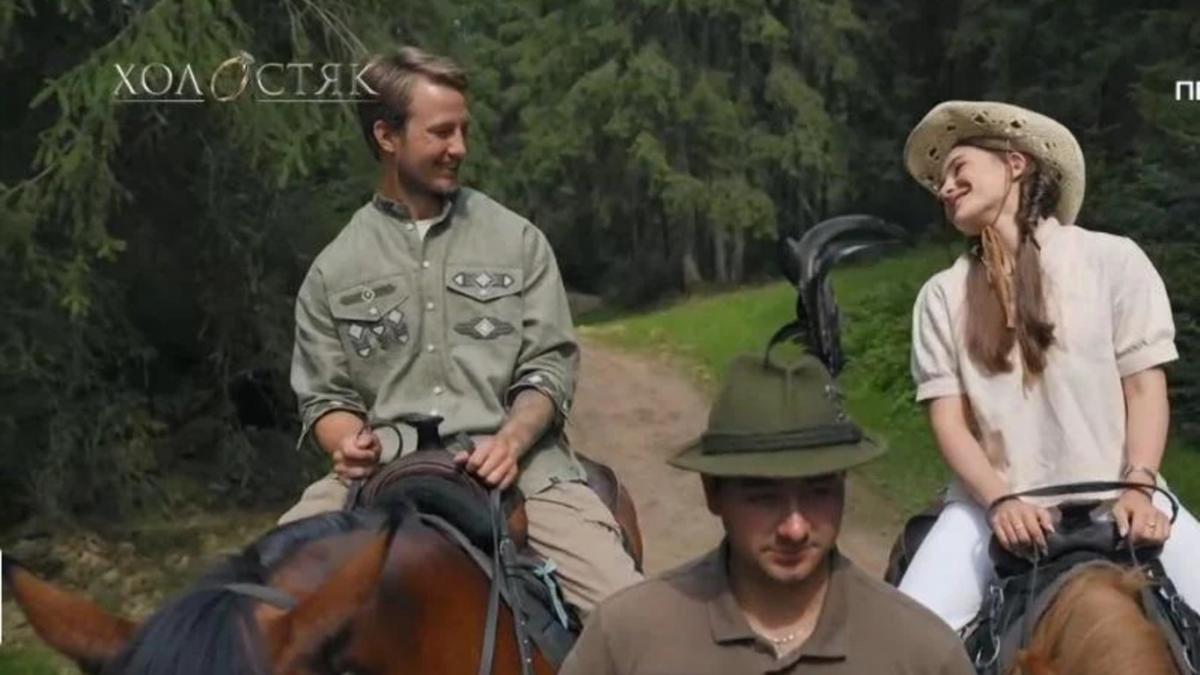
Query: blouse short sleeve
point(934, 359)
point(1143, 327)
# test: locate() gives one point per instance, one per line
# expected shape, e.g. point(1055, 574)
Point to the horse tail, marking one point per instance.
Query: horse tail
point(1096, 625)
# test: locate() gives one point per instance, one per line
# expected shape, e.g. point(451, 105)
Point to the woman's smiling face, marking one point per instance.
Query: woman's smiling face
point(976, 184)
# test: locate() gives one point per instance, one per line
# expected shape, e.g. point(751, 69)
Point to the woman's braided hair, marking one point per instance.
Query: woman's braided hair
point(989, 339)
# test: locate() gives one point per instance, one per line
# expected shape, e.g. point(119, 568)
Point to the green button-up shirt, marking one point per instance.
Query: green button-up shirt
point(455, 323)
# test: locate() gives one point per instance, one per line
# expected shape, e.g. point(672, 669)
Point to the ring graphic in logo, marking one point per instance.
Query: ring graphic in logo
point(244, 60)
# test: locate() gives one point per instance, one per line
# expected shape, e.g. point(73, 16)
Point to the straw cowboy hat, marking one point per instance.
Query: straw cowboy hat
point(777, 420)
point(1004, 126)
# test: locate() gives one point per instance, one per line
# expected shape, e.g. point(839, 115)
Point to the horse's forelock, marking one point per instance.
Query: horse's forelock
point(1097, 625)
point(209, 630)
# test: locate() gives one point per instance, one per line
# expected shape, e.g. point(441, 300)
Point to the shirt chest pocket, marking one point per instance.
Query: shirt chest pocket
point(370, 317)
point(484, 304)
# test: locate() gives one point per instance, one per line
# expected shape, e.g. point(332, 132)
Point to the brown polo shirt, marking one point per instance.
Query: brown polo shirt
point(687, 622)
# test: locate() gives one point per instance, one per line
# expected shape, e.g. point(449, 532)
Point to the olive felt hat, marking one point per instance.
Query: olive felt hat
point(777, 420)
point(778, 417)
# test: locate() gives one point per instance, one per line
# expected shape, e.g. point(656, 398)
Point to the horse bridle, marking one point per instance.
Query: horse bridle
point(272, 596)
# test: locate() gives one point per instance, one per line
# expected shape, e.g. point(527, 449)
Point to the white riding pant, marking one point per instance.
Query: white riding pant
point(951, 570)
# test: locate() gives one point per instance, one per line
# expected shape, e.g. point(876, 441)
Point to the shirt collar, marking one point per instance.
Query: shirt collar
point(725, 617)
point(400, 212)
point(829, 638)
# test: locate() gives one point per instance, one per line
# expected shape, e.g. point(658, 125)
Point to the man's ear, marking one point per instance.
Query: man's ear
point(71, 624)
point(387, 137)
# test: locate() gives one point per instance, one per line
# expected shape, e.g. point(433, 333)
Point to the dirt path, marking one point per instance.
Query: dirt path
point(633, 412)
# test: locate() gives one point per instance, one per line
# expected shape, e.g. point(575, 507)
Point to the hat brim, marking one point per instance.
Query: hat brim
point(952, 122)
point(798, 463)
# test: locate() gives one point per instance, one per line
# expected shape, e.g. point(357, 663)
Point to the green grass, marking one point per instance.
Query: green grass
point(876, 302)
point(29, 661)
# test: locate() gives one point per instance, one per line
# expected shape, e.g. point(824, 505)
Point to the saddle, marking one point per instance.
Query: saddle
point(493, 530)
point(1024, 587)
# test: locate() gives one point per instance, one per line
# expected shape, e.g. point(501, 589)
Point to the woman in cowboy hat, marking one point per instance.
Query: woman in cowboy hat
point(1039, 352)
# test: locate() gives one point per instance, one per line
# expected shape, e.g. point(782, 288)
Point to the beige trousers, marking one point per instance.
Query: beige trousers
point(567, 524)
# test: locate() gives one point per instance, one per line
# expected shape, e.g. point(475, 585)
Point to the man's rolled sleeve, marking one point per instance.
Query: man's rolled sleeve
point(549, 355)
point(320, 372)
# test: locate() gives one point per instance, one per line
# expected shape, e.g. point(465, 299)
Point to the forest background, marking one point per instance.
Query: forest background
point(150, 253)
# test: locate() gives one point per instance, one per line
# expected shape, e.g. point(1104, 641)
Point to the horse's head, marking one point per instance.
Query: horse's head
point(329, 565)
point(369, 593)
point(1096, 625)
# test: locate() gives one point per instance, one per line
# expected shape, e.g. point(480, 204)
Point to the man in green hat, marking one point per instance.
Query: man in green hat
point(776, 595)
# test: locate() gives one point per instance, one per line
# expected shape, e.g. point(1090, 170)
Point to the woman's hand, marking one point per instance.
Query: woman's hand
point(1139, 520)
point(1020, 526)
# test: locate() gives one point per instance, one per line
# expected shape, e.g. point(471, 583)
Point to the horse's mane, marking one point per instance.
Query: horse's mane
point(1096, 625)
point(210, 629)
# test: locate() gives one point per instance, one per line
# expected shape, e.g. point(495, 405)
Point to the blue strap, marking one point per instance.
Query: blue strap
point(545, 572)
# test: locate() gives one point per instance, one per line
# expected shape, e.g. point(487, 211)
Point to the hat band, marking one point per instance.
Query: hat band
point(812, 437)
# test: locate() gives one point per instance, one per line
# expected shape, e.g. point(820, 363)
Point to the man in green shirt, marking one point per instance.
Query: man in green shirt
point(437, 300)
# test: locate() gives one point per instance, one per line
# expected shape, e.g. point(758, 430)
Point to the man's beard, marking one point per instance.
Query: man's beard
point(415, 183)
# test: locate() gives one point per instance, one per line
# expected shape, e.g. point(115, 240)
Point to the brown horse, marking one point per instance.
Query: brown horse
point(1096, 626)
point(373, 592)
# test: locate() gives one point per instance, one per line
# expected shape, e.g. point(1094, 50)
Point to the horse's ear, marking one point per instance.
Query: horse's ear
point(71, 624)
point(296, 637)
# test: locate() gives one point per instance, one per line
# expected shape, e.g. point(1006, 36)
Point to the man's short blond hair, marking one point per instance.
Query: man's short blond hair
point(392, 76)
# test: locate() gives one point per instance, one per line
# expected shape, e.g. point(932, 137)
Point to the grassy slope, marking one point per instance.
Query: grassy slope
point(876, 301)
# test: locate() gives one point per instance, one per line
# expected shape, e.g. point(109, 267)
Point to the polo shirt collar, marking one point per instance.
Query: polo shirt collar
point(725, 617)
point(830, 637)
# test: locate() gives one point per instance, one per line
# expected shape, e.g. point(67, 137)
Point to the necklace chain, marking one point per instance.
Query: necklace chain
point(790, 637)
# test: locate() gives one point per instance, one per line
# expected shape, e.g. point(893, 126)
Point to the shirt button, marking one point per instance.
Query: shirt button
point(434, 412)
point(372, 311)
point(431, 348)
point(425, 264)
point(429, 306)
point(437, 391)
point(409, 227)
